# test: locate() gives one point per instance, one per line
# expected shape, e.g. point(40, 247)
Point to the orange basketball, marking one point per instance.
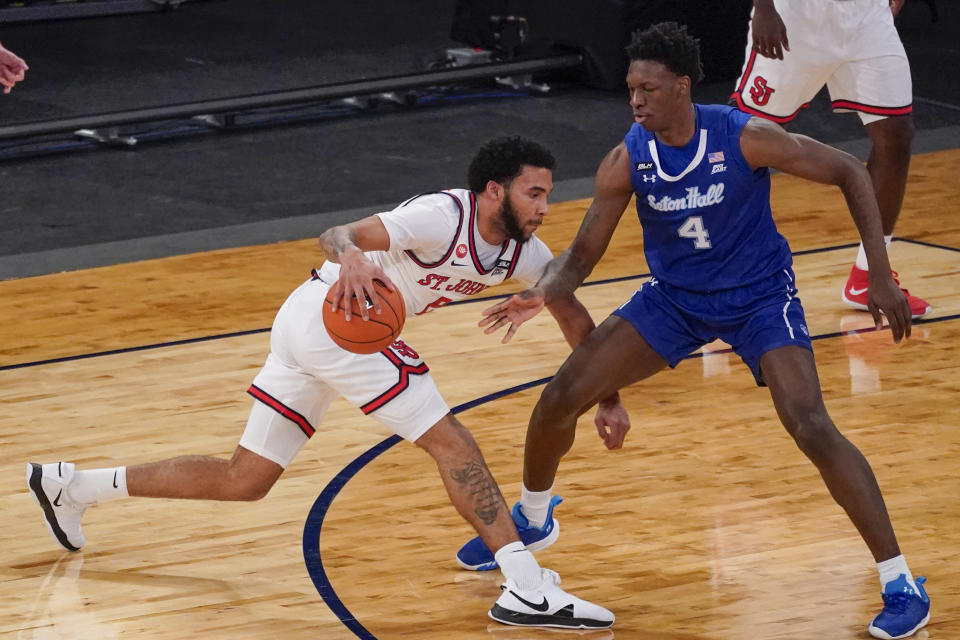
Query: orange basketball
point(369, 336)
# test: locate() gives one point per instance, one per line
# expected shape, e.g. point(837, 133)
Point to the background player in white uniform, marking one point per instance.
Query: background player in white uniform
point(434, 248)
point(852, 46)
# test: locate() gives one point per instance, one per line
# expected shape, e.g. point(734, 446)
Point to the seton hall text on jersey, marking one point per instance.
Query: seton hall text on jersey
point(693, 200)
point(464, 286)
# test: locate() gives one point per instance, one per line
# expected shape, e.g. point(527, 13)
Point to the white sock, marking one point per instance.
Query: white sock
point(97, 485)
point(535, 505)
point(862, 256)
point(519, 565)
point(891, 569)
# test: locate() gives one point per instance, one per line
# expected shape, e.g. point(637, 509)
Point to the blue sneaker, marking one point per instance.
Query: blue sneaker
point(476, 557)
point(904, 610)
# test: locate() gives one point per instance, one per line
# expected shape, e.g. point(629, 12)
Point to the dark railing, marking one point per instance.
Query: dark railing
point(29, 12)
point(322, 93)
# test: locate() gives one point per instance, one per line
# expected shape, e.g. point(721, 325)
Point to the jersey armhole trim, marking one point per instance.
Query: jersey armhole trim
point(456, 236)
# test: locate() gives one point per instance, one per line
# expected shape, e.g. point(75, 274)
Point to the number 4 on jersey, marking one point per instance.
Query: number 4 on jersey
point(693, 228)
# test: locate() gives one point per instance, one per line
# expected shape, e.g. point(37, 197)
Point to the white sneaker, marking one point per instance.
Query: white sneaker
point(548, 606)
point(48, 484)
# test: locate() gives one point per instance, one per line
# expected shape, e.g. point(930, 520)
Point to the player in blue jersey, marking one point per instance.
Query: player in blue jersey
point(720, 270)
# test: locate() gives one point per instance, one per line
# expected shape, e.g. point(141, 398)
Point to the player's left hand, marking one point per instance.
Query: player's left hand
point(515, 310)
point(612, 422)
point(884, 296)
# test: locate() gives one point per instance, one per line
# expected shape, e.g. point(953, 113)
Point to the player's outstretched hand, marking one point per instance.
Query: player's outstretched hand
point(357, 273)
point(515, 310)
point(769, 32)
point(885, 296)
point(12, 69)
point(612, 422)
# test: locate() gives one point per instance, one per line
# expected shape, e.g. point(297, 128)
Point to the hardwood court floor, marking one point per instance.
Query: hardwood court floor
point(709, 524)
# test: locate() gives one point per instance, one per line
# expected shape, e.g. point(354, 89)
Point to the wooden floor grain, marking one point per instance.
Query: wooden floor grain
point(709, 524)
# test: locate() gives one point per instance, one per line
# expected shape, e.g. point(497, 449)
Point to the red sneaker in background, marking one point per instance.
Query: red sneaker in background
point(855, 293)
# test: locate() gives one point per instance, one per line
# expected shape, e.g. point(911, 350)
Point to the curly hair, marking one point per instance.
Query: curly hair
point(502, 159)
point(669, 44)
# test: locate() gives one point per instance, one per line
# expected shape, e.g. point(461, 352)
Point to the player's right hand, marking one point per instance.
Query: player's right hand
point(612, 422)
point(769, 32)
point(515, 310)
point(357, 273)
point(885, 297)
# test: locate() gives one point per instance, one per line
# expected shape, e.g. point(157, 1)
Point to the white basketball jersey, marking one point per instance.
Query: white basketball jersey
point(437, 256)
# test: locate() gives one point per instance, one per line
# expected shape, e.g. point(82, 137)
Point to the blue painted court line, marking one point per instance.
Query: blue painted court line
point(314, 522)
point(146, 347)
point(312, 527)
point(220, 336)
point(928, 244)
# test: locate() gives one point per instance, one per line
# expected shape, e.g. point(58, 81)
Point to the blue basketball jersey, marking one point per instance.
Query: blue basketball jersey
point(705, 213)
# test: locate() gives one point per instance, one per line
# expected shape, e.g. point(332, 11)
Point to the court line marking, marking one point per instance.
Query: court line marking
point(314, 523)
point(236, 334)
point(315, 517)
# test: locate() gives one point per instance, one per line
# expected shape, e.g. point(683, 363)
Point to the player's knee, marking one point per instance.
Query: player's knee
point(250, 490)
point(447, 437)
point(812, 430)
point(246, 486)
point(555, 404)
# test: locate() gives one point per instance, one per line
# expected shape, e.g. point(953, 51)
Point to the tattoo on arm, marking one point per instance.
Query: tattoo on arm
point(486, 494)
point(333, 241)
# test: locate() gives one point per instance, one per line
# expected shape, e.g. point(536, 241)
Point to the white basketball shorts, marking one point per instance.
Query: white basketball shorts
point(306, 370)
point(851, 46)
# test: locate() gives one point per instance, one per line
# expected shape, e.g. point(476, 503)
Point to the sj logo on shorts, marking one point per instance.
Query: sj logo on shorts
point(402, 348)
point(760, 92)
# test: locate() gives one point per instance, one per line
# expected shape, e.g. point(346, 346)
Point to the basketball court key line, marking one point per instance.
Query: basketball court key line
point(314, 524)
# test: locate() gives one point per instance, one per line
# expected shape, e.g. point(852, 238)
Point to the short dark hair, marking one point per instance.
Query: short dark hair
point(502, 159)
point(669, 44)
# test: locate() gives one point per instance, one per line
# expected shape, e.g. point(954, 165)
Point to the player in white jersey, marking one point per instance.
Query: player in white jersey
point(434, 248)
point(795, 47)
point(448, 261)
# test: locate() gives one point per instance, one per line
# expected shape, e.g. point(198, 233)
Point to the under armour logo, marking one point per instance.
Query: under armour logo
point(649, 178)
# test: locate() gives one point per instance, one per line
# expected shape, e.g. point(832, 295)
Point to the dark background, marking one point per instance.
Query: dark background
point(208, 191)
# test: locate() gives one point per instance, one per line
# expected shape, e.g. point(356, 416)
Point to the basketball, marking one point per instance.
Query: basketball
point(373, 335)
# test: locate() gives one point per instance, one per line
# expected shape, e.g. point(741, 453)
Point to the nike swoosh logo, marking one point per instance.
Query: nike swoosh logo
point(115, 480)
point(856, 292)
point(459, 264)
point(543, 606)
point(56, 501)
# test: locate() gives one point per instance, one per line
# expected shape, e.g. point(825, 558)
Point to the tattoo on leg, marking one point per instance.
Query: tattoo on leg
point(485, 492)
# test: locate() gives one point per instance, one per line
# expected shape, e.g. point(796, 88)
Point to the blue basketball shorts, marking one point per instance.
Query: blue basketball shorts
point(754, 319)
